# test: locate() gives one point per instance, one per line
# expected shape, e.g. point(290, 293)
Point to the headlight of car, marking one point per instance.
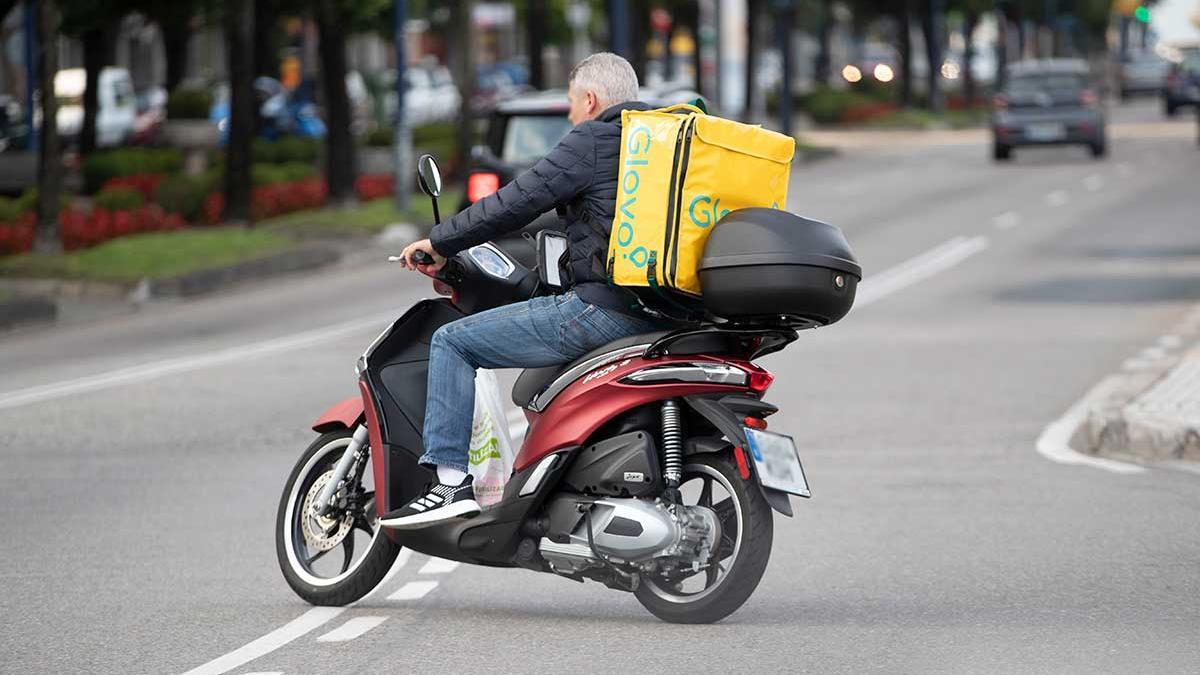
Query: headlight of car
point(491, 260)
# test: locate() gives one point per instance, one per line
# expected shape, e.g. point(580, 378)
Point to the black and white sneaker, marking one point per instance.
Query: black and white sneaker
point(437, 504)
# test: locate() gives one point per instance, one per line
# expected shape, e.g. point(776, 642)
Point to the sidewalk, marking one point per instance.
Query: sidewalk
point(1153, 411)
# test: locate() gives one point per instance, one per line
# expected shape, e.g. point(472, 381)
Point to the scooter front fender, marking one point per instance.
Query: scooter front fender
point(345, 415)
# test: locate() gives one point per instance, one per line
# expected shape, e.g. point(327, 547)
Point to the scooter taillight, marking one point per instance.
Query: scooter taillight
point(759, 379)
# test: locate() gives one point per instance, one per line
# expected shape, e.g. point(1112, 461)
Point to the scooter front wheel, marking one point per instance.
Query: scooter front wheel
point(739, 559)
point(338, 558)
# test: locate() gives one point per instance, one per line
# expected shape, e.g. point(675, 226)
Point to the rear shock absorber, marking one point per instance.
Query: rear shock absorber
point(672, 436)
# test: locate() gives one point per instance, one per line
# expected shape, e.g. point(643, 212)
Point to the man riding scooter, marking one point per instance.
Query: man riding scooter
point(579, 178)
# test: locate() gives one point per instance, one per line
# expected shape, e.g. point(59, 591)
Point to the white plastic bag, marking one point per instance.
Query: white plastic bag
point(490, 456)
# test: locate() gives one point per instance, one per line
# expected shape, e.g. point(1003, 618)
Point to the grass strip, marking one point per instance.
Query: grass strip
point(363, 219)
point(155, 255)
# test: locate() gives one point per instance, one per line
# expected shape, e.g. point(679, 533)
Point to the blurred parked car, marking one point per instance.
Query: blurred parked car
point(116, 105)
point(14, 131)
point(1141, 73)
point(1048, 102)
point(1183, 82)
point(431, 95)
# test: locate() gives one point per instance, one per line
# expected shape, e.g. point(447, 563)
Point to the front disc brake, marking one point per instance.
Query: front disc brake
point(323, 532)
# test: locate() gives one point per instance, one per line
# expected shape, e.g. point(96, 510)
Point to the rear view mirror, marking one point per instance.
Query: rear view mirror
point(428, 176)
point(551, 253)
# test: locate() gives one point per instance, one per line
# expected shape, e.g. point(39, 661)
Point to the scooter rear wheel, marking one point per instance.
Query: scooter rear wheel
point(739, 561)
point(317, 555)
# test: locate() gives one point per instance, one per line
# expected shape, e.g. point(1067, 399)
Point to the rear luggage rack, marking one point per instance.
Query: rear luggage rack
point(754, 340)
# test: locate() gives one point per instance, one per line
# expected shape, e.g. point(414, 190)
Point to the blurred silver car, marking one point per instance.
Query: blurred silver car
point(1048, 102)
point(1142, 73)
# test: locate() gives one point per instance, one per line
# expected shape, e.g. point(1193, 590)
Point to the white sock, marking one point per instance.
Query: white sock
point(448, 475)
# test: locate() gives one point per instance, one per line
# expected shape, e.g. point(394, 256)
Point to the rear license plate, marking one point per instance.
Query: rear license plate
point(777, 462)
point(1045, 132)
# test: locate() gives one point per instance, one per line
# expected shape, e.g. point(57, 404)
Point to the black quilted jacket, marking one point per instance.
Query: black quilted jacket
point(579, 178)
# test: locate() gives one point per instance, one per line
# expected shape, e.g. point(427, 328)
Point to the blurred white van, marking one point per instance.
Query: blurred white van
point(116, 110)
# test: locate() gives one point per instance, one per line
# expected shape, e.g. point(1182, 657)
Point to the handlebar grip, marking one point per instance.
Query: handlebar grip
point(422, 258)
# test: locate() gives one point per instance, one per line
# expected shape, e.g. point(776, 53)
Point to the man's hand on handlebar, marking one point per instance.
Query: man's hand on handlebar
point(420, 256)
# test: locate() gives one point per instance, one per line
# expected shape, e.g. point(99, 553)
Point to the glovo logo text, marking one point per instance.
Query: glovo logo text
point(637, 148)
point(705, 211)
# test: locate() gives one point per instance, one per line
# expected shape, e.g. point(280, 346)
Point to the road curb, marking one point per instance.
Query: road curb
point(1151, 410)
point(35, 297)
point(21, 310)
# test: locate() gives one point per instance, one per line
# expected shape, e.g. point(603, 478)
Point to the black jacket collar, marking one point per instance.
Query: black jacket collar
point(613, 113)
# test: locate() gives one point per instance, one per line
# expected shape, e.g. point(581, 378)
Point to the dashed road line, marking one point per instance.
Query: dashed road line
point(353, 628)
point(1006, 220)
point(1093, 183)
point(914, 270)
point(413, 590)
point(438, 566)
point(301, 625)
point(1057, 198)
point(401, 560)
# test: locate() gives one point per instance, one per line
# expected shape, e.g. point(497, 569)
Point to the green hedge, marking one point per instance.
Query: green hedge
point(825, 104)
point(185, 194)
point(98, 167)
point(189, 104)
point(286, 149)
point(267, 174)
point(119, 199)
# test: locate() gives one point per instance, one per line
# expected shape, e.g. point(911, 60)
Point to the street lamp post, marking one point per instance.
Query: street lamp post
point(401, 136)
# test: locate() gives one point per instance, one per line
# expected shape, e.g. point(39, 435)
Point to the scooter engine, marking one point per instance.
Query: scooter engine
point(637, 535)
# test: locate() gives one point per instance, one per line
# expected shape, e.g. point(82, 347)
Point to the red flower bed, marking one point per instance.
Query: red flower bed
point(374, 186)
point(79, 230)
point(867, 111)
point(17, 237)
point(145, 183)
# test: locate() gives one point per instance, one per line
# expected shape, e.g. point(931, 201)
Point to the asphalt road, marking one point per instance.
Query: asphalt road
point(143, 455)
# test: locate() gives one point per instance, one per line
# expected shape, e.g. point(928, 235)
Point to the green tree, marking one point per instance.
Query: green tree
point(335, 20)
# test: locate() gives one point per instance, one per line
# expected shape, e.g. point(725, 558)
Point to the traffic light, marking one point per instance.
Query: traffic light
point(1142, 14)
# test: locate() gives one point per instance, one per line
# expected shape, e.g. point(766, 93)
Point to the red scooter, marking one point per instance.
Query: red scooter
point(647, 465)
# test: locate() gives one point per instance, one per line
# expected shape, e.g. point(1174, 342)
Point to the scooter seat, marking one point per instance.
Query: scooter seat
point(534, 381)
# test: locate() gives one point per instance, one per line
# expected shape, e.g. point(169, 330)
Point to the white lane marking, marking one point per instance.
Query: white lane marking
point(401, 561)
point(413, 590)
point(1057, 198)
point(156, 369)
point(938, 259)
point(352, 629)
point(1153, 353)
point(306, 622)
point(1006, 220)
point(1055, 441)
point(1170, 341)
point(1135, 364)
point(1093, 183)
point(438, 566)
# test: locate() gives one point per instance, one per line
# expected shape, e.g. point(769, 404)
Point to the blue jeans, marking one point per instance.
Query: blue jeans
point(540, 332)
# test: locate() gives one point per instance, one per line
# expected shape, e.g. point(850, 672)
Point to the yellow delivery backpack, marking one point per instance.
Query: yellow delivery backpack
point(681, 171)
